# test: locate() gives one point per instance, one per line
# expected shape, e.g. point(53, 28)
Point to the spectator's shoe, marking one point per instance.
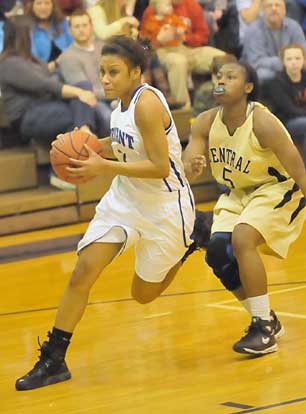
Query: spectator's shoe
point(259, 339)
point(50, 369)
point(59, 183)
point(201, 232)
point(279, 330)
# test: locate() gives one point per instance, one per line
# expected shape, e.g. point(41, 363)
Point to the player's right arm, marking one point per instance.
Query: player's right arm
point(193, 156)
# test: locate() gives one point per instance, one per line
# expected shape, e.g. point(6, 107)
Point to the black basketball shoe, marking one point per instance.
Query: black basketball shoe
point(259, 339)
point(50, 369)
point(279, 330)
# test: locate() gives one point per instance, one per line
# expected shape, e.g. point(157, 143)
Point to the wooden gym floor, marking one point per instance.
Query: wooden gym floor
point(170, 357)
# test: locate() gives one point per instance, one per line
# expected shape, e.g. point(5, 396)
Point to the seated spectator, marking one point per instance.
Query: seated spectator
point(186, 54)
point(250, 10)
point(174, 28)
point(38, 105)
point(50, 32)
point(81, 62)
point(286, 94)
point(203, 96)
point(267, 35)
point(108, 18)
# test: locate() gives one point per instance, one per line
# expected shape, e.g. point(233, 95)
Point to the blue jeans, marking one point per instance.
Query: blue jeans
point(46, 119)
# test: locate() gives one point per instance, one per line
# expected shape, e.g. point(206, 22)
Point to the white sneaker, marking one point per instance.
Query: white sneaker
point(60, 184)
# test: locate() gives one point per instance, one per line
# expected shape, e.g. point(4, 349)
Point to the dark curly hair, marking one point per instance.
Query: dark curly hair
point(131, 50)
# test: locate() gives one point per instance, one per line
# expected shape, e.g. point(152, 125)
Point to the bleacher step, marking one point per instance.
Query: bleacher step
point(17, 169)
point(37, 208)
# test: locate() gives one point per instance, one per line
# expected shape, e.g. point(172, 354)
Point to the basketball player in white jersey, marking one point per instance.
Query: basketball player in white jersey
point(149, 204)
point(252, 153)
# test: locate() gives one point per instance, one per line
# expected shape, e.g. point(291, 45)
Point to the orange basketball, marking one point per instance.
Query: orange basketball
point(71, 145)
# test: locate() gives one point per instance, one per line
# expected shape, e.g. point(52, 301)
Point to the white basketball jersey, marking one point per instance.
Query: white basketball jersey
point(128, 146)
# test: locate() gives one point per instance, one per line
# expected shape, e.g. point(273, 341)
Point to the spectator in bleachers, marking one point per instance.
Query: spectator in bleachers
point(174, 28)
point(286, 94)
point(50, 32)
point(190, 12)
point(187, 53)
point(250, 10)
point(109, 19)
point(267, 35)
point(37, 105)
point(80, 62)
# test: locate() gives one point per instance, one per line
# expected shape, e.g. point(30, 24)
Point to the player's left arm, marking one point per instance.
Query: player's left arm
point(271, 134)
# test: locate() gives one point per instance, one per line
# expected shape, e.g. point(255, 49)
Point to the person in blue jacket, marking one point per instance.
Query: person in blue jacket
point(50, 30)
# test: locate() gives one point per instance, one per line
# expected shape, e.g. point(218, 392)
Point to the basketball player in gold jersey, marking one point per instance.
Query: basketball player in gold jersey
point(252, 153)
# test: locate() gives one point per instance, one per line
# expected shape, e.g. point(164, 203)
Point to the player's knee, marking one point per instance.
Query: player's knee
point(218, 250)
point(219, 256)
point(143, 293)
point(141, 297)
point(80, 276)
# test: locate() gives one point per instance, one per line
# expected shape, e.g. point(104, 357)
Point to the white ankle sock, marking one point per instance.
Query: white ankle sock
point(260, 306)
point(246, 304)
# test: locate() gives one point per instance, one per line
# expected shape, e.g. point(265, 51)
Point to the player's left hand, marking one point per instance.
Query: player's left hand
point(92, 166)
point(196, 165)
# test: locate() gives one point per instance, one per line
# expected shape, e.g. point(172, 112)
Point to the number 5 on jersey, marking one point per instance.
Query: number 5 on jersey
point(227, 171)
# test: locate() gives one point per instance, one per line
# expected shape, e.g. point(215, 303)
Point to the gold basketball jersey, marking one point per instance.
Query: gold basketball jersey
point(238, 160)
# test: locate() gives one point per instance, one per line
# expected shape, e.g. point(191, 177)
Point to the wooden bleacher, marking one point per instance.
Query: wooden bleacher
point(28, 202)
